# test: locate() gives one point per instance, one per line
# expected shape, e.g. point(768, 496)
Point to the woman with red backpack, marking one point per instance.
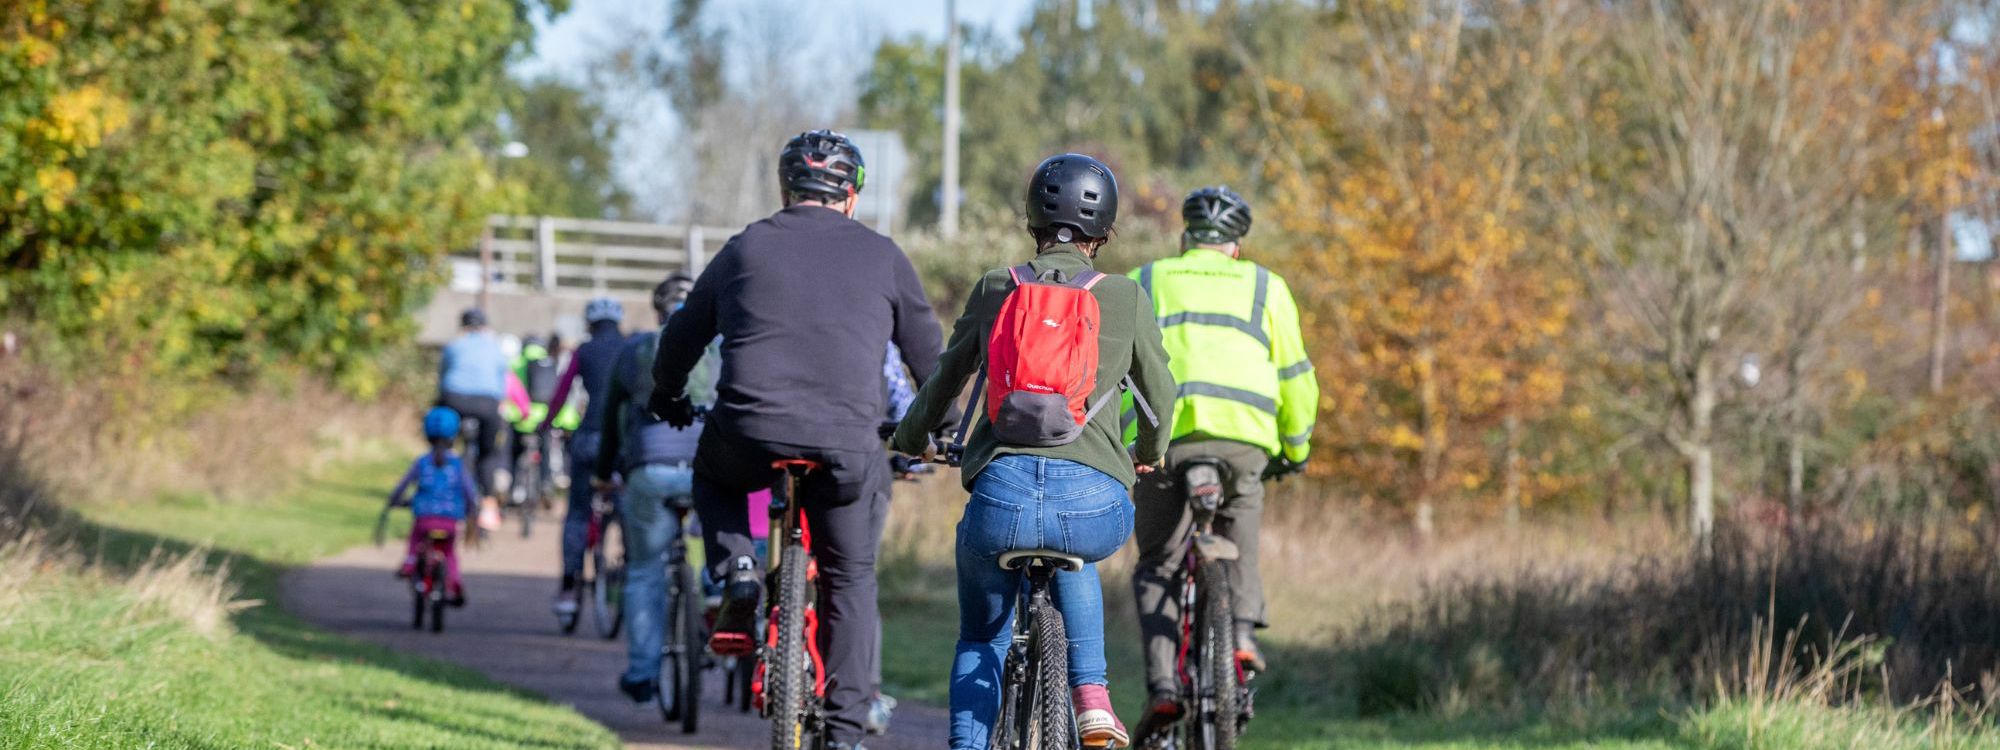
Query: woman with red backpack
point(1053, 342)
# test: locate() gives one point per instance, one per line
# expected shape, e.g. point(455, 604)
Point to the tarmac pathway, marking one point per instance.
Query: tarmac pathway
point(507, 632)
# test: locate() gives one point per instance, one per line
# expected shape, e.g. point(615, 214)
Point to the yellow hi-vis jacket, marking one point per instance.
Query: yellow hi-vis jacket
point(1232, 330)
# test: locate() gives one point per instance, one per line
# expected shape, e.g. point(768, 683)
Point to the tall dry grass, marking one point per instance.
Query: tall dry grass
point(1923, 599)
point(70, 440)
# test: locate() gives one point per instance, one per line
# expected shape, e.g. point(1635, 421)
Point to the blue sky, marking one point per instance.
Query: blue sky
point(566, 46)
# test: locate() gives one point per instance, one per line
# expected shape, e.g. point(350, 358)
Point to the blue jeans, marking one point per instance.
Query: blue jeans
point(650, 527)
point(1028, 502)
point(582, 448)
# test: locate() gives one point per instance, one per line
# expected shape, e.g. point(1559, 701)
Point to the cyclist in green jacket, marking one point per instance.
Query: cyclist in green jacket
point(1247, 397)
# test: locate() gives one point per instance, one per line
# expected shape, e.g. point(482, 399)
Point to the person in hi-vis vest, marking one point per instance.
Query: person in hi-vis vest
point(1246, 397)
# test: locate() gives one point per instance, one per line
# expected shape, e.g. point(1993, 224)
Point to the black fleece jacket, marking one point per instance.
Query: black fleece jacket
point(805, 301)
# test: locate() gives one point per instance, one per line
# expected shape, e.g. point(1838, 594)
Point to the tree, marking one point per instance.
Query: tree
point(1717, 182)
point(186, 191)
point(1439, 312)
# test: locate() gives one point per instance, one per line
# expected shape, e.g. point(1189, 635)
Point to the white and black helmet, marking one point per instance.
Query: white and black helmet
point(603, 309)
point(1215, 215)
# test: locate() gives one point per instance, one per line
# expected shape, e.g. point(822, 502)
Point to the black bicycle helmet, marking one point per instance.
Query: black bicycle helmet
point(473, 317)
point(1216, 215)
point(821, 163)
point(1075, 192)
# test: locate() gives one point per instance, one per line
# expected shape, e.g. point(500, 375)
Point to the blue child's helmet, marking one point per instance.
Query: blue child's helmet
point(440, 423)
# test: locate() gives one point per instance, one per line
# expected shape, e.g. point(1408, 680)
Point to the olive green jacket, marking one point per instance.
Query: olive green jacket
point(1129, 343)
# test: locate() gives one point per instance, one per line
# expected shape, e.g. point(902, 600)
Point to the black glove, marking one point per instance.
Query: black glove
point(677, 411)
point(1279, 468)
point(886, 430)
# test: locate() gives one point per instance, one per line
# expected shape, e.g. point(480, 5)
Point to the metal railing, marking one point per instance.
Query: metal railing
point(580, 257)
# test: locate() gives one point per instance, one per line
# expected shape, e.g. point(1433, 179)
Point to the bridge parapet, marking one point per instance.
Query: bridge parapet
point(532, 274)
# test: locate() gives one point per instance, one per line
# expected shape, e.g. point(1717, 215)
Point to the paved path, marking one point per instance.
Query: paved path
point(507, 632)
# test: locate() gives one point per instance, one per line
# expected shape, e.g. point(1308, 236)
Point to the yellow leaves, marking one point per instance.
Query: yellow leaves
point(1401, 437)
point(56, 184)
point(83, 117)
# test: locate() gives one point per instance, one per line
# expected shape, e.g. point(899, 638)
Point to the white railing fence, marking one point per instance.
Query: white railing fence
point(580, 257)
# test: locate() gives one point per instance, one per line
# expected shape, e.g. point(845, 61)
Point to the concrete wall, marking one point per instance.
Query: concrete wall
point(522, 314)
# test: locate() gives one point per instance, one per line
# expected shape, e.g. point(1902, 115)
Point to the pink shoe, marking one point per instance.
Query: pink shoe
point(1096, 725)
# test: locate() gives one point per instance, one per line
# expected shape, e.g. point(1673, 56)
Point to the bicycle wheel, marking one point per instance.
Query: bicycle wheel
point(1053, 723)
point(786, 686)
point(436, 594)
point(1218, 695)
point(419, 595)
point(690, 639)
point(607, 601)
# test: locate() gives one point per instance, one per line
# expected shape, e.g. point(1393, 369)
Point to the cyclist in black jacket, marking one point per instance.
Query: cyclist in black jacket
point(805, 302)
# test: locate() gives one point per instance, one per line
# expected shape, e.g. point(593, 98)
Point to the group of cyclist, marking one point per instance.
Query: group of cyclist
point(777, 353)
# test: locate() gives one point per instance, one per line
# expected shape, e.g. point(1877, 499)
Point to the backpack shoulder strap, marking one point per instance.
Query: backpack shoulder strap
point(1022, 274)
point(1087, 279)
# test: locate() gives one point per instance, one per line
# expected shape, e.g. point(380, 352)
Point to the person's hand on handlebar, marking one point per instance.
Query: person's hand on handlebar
point(1280, 468)
point(677, 411)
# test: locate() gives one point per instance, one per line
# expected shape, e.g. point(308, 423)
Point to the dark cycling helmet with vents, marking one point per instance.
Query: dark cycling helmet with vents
point(821, 164)
point(1215, 215)
point(1074, 192)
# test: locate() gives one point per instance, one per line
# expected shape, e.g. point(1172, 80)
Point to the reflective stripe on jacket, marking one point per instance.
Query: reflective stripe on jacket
point(1232, 330)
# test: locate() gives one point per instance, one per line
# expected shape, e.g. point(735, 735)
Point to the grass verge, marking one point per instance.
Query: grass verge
point(1377, 647)
point(126, 637)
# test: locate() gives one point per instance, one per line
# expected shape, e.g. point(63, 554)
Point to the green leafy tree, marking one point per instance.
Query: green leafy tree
point(198, 188)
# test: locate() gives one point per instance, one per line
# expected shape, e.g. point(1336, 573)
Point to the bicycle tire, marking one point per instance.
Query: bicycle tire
point(743, 673)
point(1212, 725)
point(608, 586)
point(435, 593)
point(691, 644)
point(418, 595)
point(1054, 722)
point(785, 679)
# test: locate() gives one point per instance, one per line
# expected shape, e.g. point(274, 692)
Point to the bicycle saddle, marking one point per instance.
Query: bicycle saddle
point(439, 534)
point(797, 467)
point(1024, 558)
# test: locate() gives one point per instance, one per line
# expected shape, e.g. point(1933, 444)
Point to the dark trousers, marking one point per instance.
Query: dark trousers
point(1161, 530)
point(486, 409)
point(846, 504)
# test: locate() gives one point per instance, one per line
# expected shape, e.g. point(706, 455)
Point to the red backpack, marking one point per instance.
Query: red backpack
point(1041, 362)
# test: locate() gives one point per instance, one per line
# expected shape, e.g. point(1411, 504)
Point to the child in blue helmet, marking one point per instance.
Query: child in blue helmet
point(444, 494)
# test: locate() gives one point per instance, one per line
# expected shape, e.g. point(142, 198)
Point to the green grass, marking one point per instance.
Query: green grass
point(115, 655)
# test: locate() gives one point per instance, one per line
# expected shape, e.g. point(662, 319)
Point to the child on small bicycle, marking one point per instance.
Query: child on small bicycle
point(441, 492)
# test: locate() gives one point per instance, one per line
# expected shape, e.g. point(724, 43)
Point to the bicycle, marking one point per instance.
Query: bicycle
point(1035, 710)
point(527, 491)
point(789, 685)
point(428, 584)
point(684, 649)
point(603, 573)
point(1215, 683)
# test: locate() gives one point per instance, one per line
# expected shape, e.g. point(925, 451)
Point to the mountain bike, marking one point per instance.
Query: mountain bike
point(602, 578)
point(428, 584)
point(1035, 710)
point(789, 685)
point(1215, 684)
point(684, 650)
